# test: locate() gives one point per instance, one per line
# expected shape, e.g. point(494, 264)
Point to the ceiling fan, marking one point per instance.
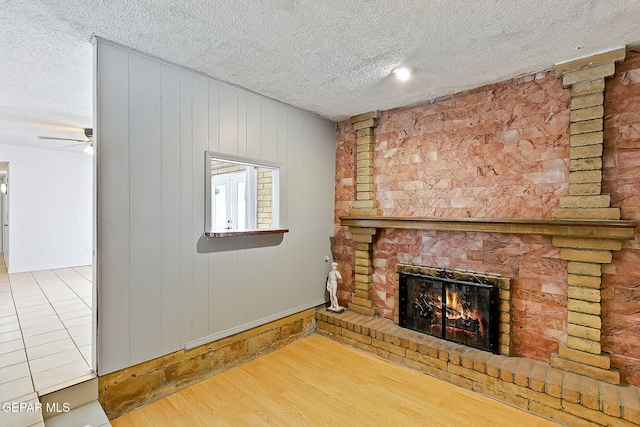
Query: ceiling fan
point(88, 132)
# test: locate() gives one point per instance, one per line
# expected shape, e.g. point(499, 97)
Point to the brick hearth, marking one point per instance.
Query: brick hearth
point(532, 385)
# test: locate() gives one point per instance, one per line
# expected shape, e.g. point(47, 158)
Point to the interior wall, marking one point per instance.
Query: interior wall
point(501, 151)
point(621, 179)
point(50, 209)
point(2, 196)
point(162, 284)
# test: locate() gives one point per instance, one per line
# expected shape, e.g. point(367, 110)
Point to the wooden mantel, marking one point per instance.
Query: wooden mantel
point(574, 228)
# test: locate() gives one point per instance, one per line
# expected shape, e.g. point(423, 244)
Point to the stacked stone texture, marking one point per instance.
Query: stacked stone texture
point(621, 179)
point(583, 351)
point(503, 150)
point(365, 204)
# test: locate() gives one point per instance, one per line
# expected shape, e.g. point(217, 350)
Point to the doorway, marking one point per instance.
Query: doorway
point(47, 294)
point(4, 211)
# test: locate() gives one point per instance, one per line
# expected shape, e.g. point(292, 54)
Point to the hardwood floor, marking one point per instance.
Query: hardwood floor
point(319, 382)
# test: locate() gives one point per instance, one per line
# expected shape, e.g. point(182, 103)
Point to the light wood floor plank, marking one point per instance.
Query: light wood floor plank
point(319, 382)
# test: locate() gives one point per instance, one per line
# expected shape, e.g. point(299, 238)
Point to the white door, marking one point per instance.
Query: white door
point(5, 216)
point(228, 201)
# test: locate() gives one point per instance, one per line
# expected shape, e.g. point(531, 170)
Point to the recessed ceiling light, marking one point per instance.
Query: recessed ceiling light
point(403, 73)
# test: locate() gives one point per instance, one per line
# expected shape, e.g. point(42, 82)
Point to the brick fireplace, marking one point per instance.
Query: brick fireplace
point(516, 179)
point(459, 306)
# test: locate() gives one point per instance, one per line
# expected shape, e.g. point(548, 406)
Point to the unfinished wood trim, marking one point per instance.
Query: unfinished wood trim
point(245, 233)
point(615, 55)
point(578, 228)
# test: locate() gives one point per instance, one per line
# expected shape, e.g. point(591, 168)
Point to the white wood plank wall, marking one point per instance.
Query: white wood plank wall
point(161, 283)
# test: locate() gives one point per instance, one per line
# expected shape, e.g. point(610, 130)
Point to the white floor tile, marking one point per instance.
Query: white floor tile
point(30, 301)
point(74, 314)
point(43, 329)
point(54, 360)
point(84, 320)
point(82, 340)
point(60, 304)
point(66, 272)
point(10, 336)
point(15, 389)
point(86, 351)
point(42, 312)
point(13, 372)
point(13, 357)
point(79, 330)
point(45, 338)
point(6, 347)
point(28, 417)
point(8, 318)
point(46, 302)
point(8, 327)
point(61, 296)
point(35, 352)
point(27, 292)
point(39, 321)
point(33, 308)
point(79, 305)
point(44, 275)
point(89, 415)
point(60, 374)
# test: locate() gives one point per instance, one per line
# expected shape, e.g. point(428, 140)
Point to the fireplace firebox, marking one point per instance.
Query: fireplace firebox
point(462, 308)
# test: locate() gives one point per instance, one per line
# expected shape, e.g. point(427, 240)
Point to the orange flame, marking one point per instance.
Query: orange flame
point(456, 310)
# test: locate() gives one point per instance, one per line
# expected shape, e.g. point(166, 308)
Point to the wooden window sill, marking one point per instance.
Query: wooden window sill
point(245, 233)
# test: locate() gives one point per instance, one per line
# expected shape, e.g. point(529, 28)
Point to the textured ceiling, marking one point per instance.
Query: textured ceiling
point(332, 57)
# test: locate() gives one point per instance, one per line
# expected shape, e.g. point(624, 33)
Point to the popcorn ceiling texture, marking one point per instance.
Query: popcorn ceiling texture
point(498, 151)
point(332, 58)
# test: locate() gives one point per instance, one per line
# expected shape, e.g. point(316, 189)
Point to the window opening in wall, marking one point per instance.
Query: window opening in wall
point(242, 195)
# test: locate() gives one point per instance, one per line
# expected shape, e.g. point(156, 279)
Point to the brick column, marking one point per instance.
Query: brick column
point(365, 205)
point(582, 353)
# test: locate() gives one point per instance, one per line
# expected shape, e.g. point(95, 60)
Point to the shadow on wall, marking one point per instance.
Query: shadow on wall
point(208, 245)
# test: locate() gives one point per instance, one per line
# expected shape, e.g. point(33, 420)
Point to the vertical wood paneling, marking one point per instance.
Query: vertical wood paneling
point(320, 168)
point(252, 294)
point(226, 277)
point(145, 208)
point(113, 225)
point(187, 243)
point(228, 114)
point(253, 126)
point(200, 296)
point(170, 185)
point(213, 116)
point(269, 130)
point(212, 244)
point(242, 312)
point(297, 192)
point(242, 124)
point(286, 298)
point(162, 283)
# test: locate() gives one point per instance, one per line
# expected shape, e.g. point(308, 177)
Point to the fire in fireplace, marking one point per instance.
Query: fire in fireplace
point(459, 307)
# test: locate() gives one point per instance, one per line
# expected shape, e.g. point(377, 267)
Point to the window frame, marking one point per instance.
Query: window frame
point(210, 231)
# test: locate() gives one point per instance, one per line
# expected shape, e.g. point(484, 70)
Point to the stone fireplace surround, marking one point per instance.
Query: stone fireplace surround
point(579, 399)
point(569, 398)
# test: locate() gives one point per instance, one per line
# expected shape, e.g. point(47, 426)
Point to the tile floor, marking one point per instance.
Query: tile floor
point(45, 334)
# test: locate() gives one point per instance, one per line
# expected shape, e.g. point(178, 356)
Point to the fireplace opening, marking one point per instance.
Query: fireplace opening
point(462, 308)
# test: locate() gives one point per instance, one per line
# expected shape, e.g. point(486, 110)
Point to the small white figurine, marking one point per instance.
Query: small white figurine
point(332, 287)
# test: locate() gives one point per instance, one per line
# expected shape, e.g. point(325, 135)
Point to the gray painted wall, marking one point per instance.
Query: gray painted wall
point(162, 284)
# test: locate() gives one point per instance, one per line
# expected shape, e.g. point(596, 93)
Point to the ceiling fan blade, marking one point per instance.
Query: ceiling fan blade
point(65, 139)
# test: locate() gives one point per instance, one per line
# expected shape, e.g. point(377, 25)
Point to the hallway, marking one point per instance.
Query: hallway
point(45, 331)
